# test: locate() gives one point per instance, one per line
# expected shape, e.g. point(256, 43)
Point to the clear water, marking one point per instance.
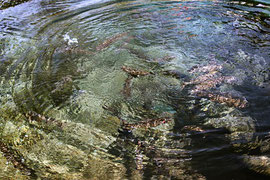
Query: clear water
point(64, 59)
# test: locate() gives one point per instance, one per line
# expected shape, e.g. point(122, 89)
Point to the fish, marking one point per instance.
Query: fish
point(127, 87)
point(146, 124)
point(226, 98)
point(33, 116)
point(134, 72)
point(105, 44)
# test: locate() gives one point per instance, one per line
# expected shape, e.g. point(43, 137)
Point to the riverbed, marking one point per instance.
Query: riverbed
point(142, 89)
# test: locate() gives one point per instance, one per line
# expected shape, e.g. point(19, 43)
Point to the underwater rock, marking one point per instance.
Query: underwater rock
point(99, 168)
point(17, 163)
point(149, 56)
point(8, 171)
point(25, 98)
point(259, 164)
point(9, 3)
point(233, 123)
point(146, 144)
point(49, 152)
point(152, 148)
point(255, 67)
point(50, 146)
point(63, 89)
point(86, 139)
point(241, 129)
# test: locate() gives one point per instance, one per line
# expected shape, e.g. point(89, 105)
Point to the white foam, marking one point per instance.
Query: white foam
point(70, 40)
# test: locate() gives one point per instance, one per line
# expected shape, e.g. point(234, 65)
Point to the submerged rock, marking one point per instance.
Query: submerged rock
point(8, 171)
point(116, 122)
point(241, 130)
point(50, 151)
point(233, 123)
point(9, 3)
point(259, 164)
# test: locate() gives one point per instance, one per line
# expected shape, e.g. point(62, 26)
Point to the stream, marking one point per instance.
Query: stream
point(135, 89)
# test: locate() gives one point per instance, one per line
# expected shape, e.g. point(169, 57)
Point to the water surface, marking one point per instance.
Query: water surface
point(70, 60)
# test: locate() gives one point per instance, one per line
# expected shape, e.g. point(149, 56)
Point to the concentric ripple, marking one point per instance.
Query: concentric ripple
point(171, 89)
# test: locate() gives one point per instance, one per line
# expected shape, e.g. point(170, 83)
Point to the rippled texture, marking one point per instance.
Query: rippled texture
point(135, 89)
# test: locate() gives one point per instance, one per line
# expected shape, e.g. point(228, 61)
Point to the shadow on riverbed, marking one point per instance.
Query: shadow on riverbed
point(228, 162)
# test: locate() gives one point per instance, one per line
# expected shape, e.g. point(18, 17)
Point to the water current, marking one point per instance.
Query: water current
point(142, 89)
